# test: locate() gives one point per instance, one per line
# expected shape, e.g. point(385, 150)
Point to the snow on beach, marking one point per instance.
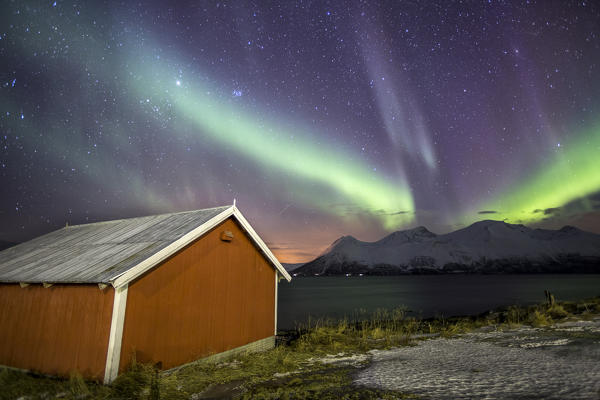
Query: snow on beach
point(558, 362)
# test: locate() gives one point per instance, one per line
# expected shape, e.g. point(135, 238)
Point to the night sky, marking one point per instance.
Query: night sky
point(321, 118)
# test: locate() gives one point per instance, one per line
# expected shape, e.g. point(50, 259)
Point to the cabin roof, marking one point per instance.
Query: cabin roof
point(116, 252)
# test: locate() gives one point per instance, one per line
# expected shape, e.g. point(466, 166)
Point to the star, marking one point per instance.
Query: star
point(346, 112)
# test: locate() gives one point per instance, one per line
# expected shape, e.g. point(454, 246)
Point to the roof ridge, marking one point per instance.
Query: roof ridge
point(110, 254)
point(113, 221)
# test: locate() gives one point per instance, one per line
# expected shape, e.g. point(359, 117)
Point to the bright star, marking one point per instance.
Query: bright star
point(178, 83)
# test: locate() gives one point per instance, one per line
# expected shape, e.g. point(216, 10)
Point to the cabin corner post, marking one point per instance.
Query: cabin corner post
point(113, 353)
point(276, 295)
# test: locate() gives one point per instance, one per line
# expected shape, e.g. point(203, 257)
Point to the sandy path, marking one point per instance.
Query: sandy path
point(560, 362)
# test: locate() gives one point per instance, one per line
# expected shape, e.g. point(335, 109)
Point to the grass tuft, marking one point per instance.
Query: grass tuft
point(556, 311)
point(135, 382)
point(77, 385)
point(294, 369)
point(539, 319)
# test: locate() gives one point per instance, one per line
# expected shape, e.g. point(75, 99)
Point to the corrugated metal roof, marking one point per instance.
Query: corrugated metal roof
point(97, 252)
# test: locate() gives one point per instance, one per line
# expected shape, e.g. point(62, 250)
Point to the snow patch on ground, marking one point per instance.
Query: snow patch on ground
point(557, 342)
point(341, 359)
point(549, 363)
point(579, 326)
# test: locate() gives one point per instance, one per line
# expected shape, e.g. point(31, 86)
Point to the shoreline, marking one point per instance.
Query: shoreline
point(326, 360)
point(429, 272)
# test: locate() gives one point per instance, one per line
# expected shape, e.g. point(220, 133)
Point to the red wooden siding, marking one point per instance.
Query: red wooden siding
point(55, 330)
point(210, 297)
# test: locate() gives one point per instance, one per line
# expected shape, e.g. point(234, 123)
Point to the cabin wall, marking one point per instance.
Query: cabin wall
point(55, 330)
point(210, 297)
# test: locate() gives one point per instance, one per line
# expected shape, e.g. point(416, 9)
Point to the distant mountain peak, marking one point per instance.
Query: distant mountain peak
point(343, 241)
point(421, 231)
point(418, 233)
point(484, 246)
point(489, 222)
point(346, 239)
point(569, 229)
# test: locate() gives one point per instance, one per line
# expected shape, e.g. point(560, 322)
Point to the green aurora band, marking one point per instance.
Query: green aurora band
point(572, 174)
point(306, 161)
point(303, 163)
point(290, 152)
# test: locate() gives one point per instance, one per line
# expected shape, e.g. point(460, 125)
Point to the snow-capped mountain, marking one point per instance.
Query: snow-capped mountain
point(485, 246)
point(289, 267)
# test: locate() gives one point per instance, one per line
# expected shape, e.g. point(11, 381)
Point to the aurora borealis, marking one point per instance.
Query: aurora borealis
point(321, 118)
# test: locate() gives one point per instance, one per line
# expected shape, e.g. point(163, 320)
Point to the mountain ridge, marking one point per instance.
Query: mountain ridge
point(486, 246)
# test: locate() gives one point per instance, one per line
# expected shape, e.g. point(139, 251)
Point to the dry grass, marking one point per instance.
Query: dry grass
point(291, 370)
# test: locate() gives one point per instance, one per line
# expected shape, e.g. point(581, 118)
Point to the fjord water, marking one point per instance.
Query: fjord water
point(423, 295)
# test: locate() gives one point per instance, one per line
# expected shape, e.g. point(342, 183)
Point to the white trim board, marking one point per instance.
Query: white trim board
point(131, 274)
point(121, 282)
point(171, 249)
point(270, 256)
point(276, 301)
point(113, 353)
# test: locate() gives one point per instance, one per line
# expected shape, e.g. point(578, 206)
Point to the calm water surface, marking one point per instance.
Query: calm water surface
point(423, 295)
